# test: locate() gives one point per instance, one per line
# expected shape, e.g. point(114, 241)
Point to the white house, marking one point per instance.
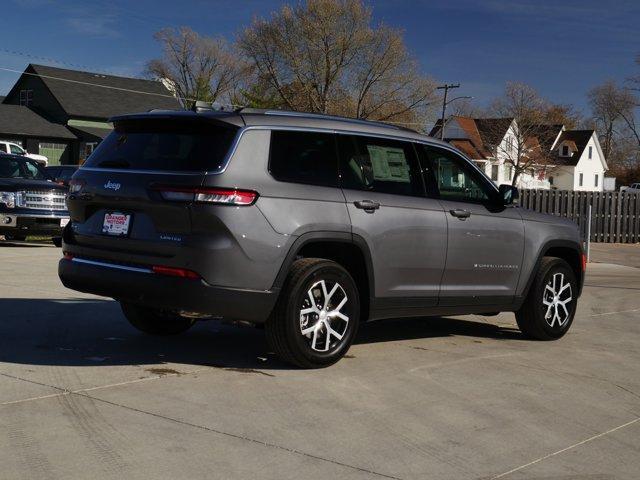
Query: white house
point(580, 163)
point(489, 142)
point(575, 159)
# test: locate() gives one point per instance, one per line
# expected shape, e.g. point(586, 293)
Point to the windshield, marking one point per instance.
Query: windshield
point(18, 168)
point(159, 144)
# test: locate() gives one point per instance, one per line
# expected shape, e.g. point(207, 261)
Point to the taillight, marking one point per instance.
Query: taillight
point(584, 262)
point(76, 185)
point(225, 196)
point(175, 272)
point(67, 256)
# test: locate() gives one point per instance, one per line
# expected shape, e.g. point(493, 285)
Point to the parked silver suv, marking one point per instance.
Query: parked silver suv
point(309, 224)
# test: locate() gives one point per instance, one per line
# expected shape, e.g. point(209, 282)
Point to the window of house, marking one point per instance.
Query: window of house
point(591, 153)
point(510, 144)
point(379, 165)
point(596, 180)
point(508, 172)
point(304, 157)
point(580, 179)
point(565, 150)
point(550, 180)
point(89, 148)
point(26, 97)
point(494, 172)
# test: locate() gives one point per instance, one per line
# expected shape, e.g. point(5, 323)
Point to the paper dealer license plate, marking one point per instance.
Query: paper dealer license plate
point(116, 224)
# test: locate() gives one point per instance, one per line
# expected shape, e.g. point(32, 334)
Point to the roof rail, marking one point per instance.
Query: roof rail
point(291, 113)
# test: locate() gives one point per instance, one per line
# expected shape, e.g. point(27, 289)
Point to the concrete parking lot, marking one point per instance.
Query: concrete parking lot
point(83, 395)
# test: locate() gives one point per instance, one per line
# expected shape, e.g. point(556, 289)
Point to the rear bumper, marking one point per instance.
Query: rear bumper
point(32, 223)
point(142, 286)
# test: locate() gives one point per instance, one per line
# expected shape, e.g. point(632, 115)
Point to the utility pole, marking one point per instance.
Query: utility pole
point(446, 87)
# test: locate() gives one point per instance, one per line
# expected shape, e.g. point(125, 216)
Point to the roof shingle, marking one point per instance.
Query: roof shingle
point(94, 95)
point(21, 121)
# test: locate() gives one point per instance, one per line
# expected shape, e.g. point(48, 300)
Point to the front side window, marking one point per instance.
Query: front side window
point(379, 165)
point(457, 180)
point(304, 157)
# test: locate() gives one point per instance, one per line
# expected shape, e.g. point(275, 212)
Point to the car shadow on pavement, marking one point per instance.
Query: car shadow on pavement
point(94, 332)
point(12, 244)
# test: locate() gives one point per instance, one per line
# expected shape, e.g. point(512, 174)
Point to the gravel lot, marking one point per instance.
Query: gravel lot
point(83, 395)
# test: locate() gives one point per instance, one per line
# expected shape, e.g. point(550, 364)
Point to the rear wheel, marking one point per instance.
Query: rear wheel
point(316, 317)
point(550, 306)
point(155, 321)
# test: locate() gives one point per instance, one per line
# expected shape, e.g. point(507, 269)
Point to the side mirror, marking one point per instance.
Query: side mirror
point(508, 194)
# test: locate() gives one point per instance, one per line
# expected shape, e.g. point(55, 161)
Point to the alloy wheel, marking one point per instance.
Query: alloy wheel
point(557, 297)
point(322, 319)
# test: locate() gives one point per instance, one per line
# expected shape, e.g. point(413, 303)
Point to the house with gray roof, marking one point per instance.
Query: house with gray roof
point(63, 114)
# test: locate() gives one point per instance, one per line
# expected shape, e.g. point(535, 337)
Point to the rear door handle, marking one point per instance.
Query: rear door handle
point(368, 206)
point(459, 213)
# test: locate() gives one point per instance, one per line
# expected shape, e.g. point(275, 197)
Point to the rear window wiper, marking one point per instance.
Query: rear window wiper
point(114, 164)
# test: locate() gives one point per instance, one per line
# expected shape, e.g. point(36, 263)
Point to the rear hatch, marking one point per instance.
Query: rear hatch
point(132, 199)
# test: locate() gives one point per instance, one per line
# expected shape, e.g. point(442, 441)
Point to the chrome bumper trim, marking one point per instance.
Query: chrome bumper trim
point(111, 265)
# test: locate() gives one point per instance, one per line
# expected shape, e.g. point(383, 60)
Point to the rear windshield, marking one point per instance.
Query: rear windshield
point(170, 145)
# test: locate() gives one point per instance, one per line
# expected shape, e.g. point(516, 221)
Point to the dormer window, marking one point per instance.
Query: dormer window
point(26, 97)
point(565, 150)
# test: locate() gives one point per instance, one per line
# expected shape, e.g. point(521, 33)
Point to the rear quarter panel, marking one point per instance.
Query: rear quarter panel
point(283, 211)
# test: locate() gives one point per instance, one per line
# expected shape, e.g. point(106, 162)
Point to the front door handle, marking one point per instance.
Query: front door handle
point(459, 213)
point(368, 206)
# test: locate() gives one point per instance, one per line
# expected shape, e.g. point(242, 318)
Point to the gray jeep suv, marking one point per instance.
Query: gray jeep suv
point(308, 224)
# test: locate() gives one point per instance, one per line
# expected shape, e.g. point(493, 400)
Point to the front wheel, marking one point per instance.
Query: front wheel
point(548, 311)
point(154, 321)
point(316, 317)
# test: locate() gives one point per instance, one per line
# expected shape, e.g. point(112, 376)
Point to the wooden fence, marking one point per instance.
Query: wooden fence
point(615, 216)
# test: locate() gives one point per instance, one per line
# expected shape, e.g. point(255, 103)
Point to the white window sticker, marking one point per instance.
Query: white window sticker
point(389, 164)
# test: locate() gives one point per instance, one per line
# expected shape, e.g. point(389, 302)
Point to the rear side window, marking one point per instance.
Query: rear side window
point(304, 157)
point(379, 165)
point(158, 144)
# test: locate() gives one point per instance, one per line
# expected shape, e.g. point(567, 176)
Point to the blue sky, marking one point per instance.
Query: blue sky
point(562, 48)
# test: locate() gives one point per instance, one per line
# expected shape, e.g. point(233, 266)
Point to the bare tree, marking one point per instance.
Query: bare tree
point(197, 67)
point(522, 108)
point(562, 114)
point(612, 108)
point(325, 56)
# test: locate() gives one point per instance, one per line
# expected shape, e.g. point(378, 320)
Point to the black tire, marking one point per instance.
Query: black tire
point(154, 321)
point(532, 318)
point(284, 329)
point(16, 237)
